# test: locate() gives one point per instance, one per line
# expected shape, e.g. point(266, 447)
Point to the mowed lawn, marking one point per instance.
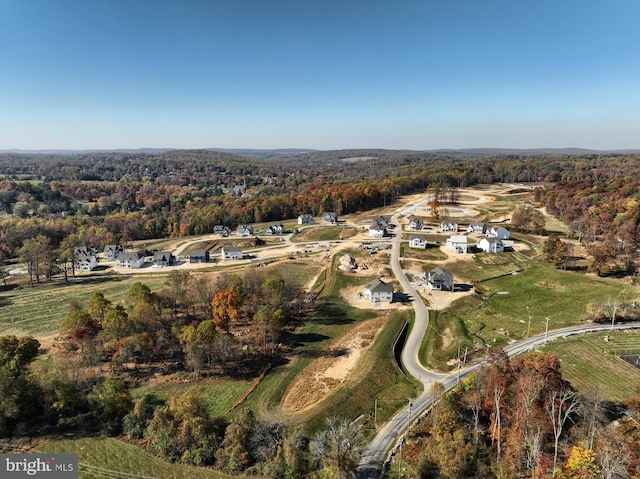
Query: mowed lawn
point(517, 305)
point(590, 363)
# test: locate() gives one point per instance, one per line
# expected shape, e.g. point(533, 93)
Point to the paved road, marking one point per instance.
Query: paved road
point(379, 448)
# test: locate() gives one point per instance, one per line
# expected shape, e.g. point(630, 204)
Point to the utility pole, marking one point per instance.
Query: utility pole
point(546, 329)
point(375, 413)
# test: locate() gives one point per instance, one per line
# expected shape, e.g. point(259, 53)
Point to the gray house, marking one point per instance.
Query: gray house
point(415, 224)
point(221, 230)
point(111, 251)
point(245, 230)
point(440, 279)
point(305, 219)
point(330, 217)
point(199, 256)
point(163, 258)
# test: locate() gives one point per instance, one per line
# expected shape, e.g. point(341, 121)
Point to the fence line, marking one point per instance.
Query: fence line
point(627, 352)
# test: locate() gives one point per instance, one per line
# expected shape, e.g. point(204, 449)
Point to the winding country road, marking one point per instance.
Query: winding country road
point(379, 448)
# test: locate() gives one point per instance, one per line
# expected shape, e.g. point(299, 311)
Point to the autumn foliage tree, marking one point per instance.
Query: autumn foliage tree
point(556, 252)
point(225, 309)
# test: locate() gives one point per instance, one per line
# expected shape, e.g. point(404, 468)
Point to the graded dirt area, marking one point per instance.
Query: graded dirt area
point(329, 371)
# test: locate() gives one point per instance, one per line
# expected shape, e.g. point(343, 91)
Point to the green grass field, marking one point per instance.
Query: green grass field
point(218, 394)
point(441, 340)
point(519, 304)
point(515, 306)
point(323, 233)
point(590, 363)
point(39, 311)
point(101, 457)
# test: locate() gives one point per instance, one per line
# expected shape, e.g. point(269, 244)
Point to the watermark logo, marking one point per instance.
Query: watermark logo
point(44, 466)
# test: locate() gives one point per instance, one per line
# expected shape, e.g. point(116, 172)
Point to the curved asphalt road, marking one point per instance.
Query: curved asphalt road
point(377, 450)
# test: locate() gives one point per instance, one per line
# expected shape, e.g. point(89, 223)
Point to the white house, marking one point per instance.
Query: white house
point(231, 252)
point(377, 231)
point(440, 279)
point(457, 244)
point(305, 219)
point(477, 227)
point(498, 232)
point(130, 260)
point(492, 244)
point(415, 224)
point(377, 290)
point(418, 241)
point(448, 225)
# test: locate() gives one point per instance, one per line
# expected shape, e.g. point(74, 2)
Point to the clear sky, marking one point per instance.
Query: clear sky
point(322, 74)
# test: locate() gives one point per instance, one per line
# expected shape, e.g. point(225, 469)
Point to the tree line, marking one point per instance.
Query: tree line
point(115, 198)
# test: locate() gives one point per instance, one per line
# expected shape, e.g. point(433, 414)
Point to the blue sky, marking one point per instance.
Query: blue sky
point(322, 74)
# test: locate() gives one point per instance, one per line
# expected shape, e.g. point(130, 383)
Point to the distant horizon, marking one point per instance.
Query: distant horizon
point(418, 75)
point(292, 150)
